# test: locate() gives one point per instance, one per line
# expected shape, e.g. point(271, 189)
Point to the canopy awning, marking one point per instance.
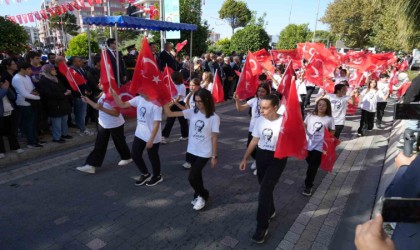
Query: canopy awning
point(137, 23)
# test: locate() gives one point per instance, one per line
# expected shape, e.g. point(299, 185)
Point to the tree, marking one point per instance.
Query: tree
point(221, 46)
point(252, 37)
point(386, 31)
point(323, 36)
point(293, 34)
point(352, 21)
point(236, 13)
point(13, 37)
point(78, 46)
point(67, 21)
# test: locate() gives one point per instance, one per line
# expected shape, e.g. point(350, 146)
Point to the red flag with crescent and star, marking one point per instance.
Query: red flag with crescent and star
point(217, 93)
point(107, 79)
point(314, 72)
point(254, 65)
point(75, 79)
point(247, 83)
point(167, 80)
point(179, 46)
point(329, 154)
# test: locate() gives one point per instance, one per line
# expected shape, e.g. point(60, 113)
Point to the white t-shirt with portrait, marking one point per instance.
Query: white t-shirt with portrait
point(369, 99)
point(106, 120)
point(384, 88)
point(254, 104)
point(315, 130)
point(200, 131)
point(147, 114)
point(338, 107)
point(268, 132)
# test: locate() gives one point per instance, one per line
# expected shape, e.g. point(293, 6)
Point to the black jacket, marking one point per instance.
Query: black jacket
point(52, 94)
point(166, 58)
point(123, 69)
point(413, 92)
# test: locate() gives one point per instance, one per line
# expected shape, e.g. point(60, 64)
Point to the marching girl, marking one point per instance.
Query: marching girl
point(264, 139)
point(368, 105)
point(254, 103)
point(202, 141)
point(207, 82)
point(181, 94)
point(147, 135)
point(314, 125)
point(110, 123)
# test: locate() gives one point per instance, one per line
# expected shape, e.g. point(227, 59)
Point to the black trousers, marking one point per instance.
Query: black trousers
point(7, 129)
point(380, 110)
point(302, 104)
point(366, 119)
point(227, 85)
point(96, 157)
point(269, 170)
point(248, 142)
point(137, 154)
point(314, 161)
point(196, 176)
point(309, 91)
point(171, 120)
point(338, 130)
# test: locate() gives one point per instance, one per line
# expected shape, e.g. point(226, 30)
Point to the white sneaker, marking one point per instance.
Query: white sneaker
point(87, 169)
point(194, 201)
point(254, 165)
point(87, 132)
point(183, 138)
point(124, 162)
point(164, 140)
point(19, 151)
point(255, 172)
point(187, 165)
point(199, 203)
point(2, 156)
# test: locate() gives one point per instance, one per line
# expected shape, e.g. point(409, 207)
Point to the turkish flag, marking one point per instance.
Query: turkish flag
point(75, 79)
point(238, 73)
point(125, 96)
point(286, 81)
point(167, 80)
point(19, 18)
point(355, 78)
point(179, 46)
point(75, 5)
point(217, 93)
point(90, 2)
point(267, 65)
point(25, 18)
point(292, 137)
point(7, 2)
point(403, 89)
point(362, 62)
point(261, 55)
point(37, 15)
point(69, 7)
point(63, 9)
point(308, 50)
point(284, 56)
point(107, 79)
point(393, 81)
point(148, 79)
point(329, 154)
point(31, 17)
point(328, 85)
point(254, 64)
point(81, 3)
point(314, 72)
point(98, 1)
point(352, 108)
point(403, 66)
point(335, 54)
point(12, 18)
point(247, 83)
point(383, 56)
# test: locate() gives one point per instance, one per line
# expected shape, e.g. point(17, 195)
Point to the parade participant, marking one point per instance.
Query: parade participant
point(147, 135)
point(368, 105)
point(301, 91)
point(130, 61)
point(179, 97)
point(207, 82)
point(110, 123)
point(254, 104)
point(314, 126)
point(383, 86)
point(339, 101)
point(264, 139)
point(202, 141)
point(194, 87)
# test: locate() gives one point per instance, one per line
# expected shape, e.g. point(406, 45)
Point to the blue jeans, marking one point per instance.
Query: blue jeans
point(80, 113)
point(59, 126)
point(29, 124)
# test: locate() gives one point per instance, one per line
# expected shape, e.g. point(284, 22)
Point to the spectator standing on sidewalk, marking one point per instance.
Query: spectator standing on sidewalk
point(368, 105)
point(383, 86)
point(413, 95)
point(264, 140)
point(202, 141)
point(9, 67)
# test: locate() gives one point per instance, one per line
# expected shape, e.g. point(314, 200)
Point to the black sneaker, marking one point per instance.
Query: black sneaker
point(260, 235)
point(67, 137)
point(35, 145)
point(143, 179)
point(273, 215)
point(307, 192)
point(154, 181)
point(61, 140)
point(42, 142)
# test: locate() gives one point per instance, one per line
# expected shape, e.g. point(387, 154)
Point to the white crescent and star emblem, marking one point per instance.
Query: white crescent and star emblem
point(156, 79)
point(148, 60)
point(316, 72)
point(358, 61)
point(252, 61)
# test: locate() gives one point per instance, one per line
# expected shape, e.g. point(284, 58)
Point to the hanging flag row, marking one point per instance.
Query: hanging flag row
point(8, 1)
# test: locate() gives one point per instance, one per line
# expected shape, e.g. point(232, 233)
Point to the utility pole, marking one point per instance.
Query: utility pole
point(64, 33)
point(162, 18)
point(316, 22)
point(290, 13)
point(108, 6)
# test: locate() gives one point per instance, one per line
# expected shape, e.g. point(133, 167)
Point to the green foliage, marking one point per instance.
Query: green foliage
point(78, 46)
point(252, 37)
point(324, 37)
point(293, 34)
point(69, 22)
point(236, 13)
point(13, 37)
point(385, 31)
point(221, 46)
point(123, 35)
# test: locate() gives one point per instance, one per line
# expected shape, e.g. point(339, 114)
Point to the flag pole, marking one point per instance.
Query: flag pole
point(167, 73)
point(77, 86)
point(107, 69)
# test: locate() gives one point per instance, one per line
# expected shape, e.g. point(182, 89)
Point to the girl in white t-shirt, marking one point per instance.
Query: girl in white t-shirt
point(264, 138)
point(194, 87)
point(314, 125)
point(207, 82)
point(368, 104)
point(179, 97)
point(147, 135)
point(202, 141)
point(254, 103)
point(110, 123)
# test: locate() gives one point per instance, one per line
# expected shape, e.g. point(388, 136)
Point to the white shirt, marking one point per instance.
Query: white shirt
point(191, 102)
point(339, 79)
point(268, 132)
point(200, 131)
point(23, 86)
point(106, 120)
point(370, 99)
point(181, 91)
point(209, 87)
point(301, 87)
point(338, 107)
point(147, 114)
point(384, 88)
point(277, 81)
point(309, 84)
point(254, 104)
point(315, 130)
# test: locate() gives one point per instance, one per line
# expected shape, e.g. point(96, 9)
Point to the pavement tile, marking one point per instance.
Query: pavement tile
point(285, 245)
point(61, 220)
point(319, 246)
point(303, 245)
point(229, 241)
point(297, 228)
point(110, 193)
point(96, 244)
point(292, 237)
point(288, 181)
point(180, 193)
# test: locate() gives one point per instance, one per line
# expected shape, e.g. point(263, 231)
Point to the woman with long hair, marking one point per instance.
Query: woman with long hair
point(264, 140)
point(368, 105)
point(207, 82)
point(202, 141)
point(314, 125)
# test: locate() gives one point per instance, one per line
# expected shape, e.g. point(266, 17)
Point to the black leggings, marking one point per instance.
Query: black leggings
point(248, 142)
point(314, 161)
point(367, 119)
point(137, 155)
point(338, 130)
point(171, 120)
point(196, 177)
point(380, 110)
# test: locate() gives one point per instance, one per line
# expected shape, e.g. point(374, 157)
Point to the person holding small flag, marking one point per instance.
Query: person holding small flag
point(314, 124)
point(265, 134)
